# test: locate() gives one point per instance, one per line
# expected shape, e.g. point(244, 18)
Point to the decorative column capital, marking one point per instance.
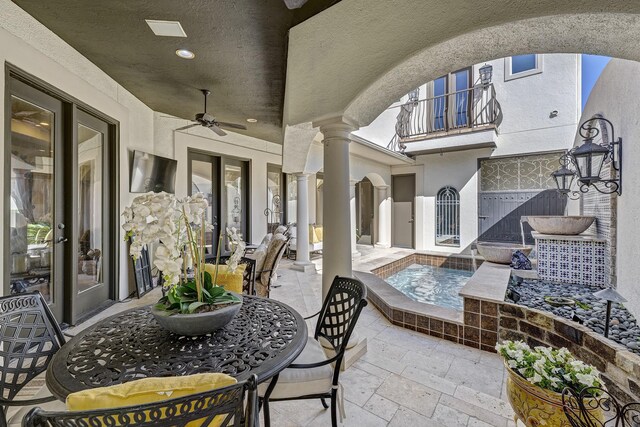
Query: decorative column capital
point(302, 176)
point(336, 129)
point(382, 187)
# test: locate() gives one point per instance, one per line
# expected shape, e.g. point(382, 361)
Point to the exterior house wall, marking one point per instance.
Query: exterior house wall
point(28, 45)
point(616, 96)
point(526, 127)
point(459, 170)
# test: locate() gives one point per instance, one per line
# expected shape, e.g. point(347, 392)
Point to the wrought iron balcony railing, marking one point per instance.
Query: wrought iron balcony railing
point(472, 108)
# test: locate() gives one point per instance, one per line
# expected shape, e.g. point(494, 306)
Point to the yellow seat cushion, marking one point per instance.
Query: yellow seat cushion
point(230, 281)
point(313, 234)
point(318, 231)
point(149, 390)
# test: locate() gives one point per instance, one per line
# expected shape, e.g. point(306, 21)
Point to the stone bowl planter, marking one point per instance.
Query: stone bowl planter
point(535, 406)
point(564, 225)
point(501, 253)
point(198, 323)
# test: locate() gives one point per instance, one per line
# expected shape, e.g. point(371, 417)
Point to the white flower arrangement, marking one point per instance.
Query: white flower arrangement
point(549, 368)
point(177, 226)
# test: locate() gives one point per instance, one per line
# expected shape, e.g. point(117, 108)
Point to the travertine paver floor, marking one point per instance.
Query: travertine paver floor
point(405, 378)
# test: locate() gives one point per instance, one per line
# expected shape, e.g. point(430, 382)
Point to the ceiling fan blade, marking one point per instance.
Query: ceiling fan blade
point(188, 126)
point(217, 130)
point(232, 125)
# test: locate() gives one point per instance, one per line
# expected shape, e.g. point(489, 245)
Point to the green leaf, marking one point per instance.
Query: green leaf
point(208, 281)
point(194, 305)
point(184, 308)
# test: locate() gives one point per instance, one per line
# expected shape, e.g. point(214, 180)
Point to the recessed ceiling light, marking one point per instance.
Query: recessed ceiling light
point(166, 28)
point(44, 123)
point(185, 54)
point(252, 120)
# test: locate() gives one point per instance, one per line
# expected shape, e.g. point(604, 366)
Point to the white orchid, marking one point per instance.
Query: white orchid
point(162, 219)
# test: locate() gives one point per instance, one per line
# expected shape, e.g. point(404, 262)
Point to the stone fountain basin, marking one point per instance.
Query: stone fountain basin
point(564, 225)
point(501, 253)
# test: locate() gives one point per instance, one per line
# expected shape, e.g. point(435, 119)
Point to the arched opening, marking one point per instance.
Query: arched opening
point(448, 217)
point(365, 213)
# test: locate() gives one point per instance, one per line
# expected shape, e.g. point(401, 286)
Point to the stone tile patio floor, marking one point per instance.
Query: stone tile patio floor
point(405, 378)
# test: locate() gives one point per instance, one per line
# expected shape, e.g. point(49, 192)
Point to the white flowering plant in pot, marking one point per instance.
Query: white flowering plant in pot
point(177, 228)
point(549, 368)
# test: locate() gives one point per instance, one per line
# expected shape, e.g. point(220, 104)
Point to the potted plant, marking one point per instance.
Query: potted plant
point(536, 379)
point(193, 304)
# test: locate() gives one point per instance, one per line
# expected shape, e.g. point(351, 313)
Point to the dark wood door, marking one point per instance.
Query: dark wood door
point(404, 194)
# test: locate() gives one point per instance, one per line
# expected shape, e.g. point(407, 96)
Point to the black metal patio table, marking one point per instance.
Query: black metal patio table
point(263, 339)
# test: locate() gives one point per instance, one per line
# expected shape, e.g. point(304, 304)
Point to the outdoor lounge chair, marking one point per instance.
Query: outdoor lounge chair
point(266, 276)
point(313, 375)
point(29, 337)
point(226, 403)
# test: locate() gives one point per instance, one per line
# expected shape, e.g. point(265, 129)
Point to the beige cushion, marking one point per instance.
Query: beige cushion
point(303, 382)
point(259, 255)
point(266, 239)
point(270, 263)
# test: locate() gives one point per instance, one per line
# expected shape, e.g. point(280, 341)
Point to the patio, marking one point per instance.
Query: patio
point(405, 378)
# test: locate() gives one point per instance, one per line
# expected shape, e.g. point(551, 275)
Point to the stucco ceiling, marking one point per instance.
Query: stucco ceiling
point(240, 49)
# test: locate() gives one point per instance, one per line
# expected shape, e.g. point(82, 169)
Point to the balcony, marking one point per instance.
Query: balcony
point(455, 113)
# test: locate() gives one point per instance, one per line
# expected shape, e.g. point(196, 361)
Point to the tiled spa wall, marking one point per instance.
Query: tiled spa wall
point(456, 263)
point(436, 327)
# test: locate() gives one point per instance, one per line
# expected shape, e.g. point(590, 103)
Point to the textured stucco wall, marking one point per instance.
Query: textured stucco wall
point(357, 57)
point(616, 95)
point(526, 104)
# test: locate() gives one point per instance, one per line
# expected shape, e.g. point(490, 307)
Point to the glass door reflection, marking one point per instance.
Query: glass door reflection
point(32, 211)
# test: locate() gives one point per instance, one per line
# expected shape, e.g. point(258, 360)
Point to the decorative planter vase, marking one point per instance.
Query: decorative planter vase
point(198, 323)
point(535, 406)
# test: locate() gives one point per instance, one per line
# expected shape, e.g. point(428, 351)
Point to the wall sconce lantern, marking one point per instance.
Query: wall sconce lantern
point(486, 71)
point(589, 159)
point(564, 177)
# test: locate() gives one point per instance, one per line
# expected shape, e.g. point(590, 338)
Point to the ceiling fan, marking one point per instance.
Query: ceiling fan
point(207, 120)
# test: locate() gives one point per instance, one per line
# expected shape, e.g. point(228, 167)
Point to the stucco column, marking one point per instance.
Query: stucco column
point(336, 247)
point(383, 205)
point(302, 262)
point(352, 204)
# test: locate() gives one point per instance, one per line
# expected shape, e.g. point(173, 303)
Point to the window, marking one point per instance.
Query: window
point(522, 66)
point(292, 198)
point(274, 211)
point(448, 217)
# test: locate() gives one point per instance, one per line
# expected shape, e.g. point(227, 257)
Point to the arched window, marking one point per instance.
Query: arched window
point(448, 217)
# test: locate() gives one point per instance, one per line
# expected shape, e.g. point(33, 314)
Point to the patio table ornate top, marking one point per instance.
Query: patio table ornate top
point(263, 339)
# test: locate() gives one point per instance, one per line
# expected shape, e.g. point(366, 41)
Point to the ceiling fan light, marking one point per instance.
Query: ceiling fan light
point(252, 120)
point(185, 54)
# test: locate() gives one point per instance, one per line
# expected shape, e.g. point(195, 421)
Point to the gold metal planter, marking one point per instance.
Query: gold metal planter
point(535, 406)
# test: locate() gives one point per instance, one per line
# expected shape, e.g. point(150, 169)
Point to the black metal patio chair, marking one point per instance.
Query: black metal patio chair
point(227, 403)
point(336, 322)
point(581, 409)
point(29, 337)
